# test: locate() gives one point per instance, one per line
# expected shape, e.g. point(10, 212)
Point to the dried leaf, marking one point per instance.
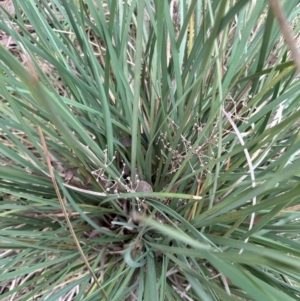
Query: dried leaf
point(141, 186)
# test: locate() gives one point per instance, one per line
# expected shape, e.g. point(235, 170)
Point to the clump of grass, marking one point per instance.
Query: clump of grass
point(149, 151)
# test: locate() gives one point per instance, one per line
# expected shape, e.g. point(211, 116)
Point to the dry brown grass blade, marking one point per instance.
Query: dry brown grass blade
point(279, 14)
point(62, 202)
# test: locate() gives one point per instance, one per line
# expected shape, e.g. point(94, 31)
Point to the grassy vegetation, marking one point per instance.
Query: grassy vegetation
point(149, 151)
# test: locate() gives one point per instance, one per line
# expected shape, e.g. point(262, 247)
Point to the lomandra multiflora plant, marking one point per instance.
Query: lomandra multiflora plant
point(149, 150)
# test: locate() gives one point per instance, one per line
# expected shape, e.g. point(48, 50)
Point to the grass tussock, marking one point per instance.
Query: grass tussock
point(149, 150)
